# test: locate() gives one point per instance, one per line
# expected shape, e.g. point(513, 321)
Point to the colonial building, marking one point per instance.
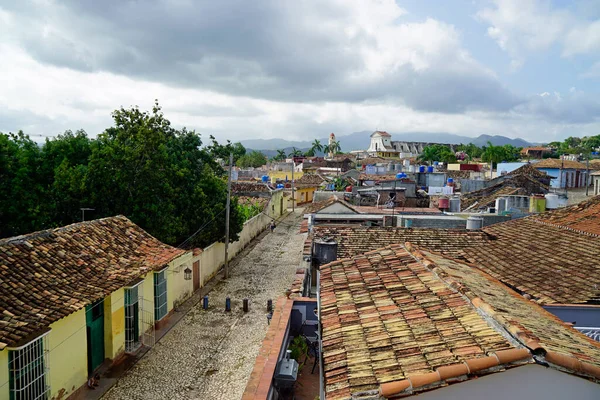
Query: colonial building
point(383, 146)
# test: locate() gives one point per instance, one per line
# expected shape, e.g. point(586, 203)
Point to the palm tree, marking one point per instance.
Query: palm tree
point(493, 154)
point(295, 153)
point(429, 154)
point(280, 155)
point(316, 146)
point(334, 147)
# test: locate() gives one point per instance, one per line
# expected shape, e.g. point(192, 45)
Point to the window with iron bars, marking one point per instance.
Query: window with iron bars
point(132, 318)
point(28, 371)
point(160, 295)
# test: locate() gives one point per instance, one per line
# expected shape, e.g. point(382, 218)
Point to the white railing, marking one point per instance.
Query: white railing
point(593, 333)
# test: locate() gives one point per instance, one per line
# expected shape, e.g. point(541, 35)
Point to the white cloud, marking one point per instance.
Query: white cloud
point(592, 72)
point(523, 26)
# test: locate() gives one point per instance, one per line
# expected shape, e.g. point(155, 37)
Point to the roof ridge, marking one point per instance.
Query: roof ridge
point(66, 228)
point(501, 358)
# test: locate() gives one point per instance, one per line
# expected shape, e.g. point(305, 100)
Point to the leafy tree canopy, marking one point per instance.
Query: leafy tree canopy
point(158, 176)
point(254, 159)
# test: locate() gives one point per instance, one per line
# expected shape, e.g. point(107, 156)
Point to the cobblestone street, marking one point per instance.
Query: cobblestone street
point(210, 354)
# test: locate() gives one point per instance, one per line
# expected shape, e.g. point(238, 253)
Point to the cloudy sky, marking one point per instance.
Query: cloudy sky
point(300, 69)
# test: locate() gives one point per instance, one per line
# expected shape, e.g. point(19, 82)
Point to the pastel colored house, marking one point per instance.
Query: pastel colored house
point(79, 296)
point(596, 182)
point(568, 173)
point(306, 187)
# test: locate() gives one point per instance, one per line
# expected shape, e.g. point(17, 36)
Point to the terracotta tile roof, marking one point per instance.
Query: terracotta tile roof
point(529, 170)
point(584, 217)
point(354, 240)
point(551, 263)
point(249, 187)
point(556, 163)
point(47, 275)
point(309, 180)
point(373, 160)
point(399, 321)
point(386, 318)
point(525, 320)
point(519, 184)
point(318, 206)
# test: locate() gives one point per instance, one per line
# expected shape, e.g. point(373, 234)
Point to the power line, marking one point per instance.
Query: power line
point(200, 229)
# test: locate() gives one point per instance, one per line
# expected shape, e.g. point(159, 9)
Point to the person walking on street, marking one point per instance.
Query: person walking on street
point(272, 226)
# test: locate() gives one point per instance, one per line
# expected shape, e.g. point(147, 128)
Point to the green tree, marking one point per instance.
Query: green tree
point(217, 150)
point(295, 152)
point(23, 202)
point(254, 159)
point(493, 154)
point(437, 152)
point(316, 147)
point(280, 155)
point(334, 147)
point(309, 153)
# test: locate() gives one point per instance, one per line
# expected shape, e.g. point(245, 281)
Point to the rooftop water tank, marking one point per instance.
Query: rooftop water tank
point(265, 178)
point(500, 204)
point(443, 203)
point(474, 222)
point(324, 251)
point(406, 163)
point(421, 168)
point(280, 186)
point(430, 169)
point(551, 201)
point(455, 204)
point(450, 180)
point(411, 168)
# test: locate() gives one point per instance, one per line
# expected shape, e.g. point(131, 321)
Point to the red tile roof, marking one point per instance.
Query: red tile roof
point(398, 321)
point(584, 217)
point(47, 275)
point(551, 263)
point(556, 163)
point(354, 240)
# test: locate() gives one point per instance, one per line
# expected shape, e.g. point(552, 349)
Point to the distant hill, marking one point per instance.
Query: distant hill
point(360, 141)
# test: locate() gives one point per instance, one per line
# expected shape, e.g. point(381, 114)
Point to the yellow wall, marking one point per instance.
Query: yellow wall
point(67, 357)
point(4, 374)
point(305, 195)
point(274, 175)
point(178, 289)
point(114, 324)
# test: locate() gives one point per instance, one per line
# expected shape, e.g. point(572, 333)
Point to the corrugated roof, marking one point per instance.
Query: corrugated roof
point(47, 275)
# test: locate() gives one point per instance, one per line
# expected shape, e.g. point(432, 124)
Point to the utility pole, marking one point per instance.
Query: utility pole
point(293, 196)
point(587, 173)
point(227, 217)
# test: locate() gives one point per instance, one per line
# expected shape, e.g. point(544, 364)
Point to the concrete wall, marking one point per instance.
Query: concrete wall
point(178, 289)
point(67, 357)
point(212, 257)
point(439, 222)
point(471, 185)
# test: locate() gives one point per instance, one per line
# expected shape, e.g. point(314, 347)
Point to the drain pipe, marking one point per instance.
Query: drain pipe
point(320, 333)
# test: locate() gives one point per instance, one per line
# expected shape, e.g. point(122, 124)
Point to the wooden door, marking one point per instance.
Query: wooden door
point(94, 319)
point(196, 275)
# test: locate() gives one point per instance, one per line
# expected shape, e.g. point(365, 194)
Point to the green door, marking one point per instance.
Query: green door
point(94, 320)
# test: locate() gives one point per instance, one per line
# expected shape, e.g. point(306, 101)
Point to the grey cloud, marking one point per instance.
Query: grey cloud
point(259, 49)
point(573, 108)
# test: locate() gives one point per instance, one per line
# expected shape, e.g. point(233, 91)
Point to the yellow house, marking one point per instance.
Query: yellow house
point(306, 187)
point(78, 297)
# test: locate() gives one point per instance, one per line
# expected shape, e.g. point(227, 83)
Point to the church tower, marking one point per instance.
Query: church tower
point(331, 141)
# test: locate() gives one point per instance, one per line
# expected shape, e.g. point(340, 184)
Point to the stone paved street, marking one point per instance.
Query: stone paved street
point(210, 354)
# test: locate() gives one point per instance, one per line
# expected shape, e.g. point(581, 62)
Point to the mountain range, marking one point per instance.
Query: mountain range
point(360, 141)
